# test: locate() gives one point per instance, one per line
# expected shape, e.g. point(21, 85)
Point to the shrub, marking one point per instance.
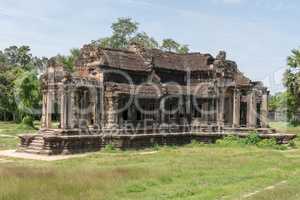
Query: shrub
point(230, 140)
point(268, 143)
point(252, 139)
point(28, 121)
point(292, 144)
point(156, 147)
point(109, 148)
point(195, 143)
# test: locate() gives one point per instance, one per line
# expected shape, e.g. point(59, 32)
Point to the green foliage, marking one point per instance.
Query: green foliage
point(69, 61)
point(172, 46)
point(110, 148)
point(278, 101)
point(28, 121)
point(268, 143)
point(231, 140)
point(252, 139)
point(156, 147)
point(194, 144)
point(292, 83)
point(125, 32)
point(27, 93)
point(19, 84)
point(136, 188)
point(145, 40)
point(292, 144)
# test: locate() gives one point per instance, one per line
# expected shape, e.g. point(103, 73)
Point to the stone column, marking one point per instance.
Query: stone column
point(205, 108)
point(97, 110)
point(49, 103)
point(236, 108)
point(71, 108)
point(252, 112)
point(221, 109)
point(264, 111)
point(92, 112)
point(111, 111)
point(44, 110)
point(64, 108)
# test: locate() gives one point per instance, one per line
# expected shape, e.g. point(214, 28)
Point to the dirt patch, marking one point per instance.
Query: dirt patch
point(14, 154)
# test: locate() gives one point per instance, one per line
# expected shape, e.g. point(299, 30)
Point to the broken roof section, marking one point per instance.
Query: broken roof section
point(144, 60)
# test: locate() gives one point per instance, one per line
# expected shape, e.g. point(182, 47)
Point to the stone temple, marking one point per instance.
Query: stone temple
point(138, 97)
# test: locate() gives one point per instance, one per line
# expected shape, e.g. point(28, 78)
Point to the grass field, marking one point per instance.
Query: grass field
point(191, 172)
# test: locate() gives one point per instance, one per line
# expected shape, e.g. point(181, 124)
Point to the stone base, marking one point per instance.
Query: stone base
point(51, 144)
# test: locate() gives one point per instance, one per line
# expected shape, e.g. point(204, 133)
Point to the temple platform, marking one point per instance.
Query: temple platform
point(56, 142)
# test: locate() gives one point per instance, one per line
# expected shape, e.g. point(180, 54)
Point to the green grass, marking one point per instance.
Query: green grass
point(9, 132)
point(193, 172)
point(285, 127)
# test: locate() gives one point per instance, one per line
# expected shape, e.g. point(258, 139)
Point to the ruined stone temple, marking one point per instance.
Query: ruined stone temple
point(139, 97)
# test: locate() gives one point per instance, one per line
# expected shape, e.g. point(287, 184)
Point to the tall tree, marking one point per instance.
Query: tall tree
point(69, 61)
point(125, 31)
point(170, 45)
point(145, 40)
point(173, 46)
point(19, 56)
point(292, 83)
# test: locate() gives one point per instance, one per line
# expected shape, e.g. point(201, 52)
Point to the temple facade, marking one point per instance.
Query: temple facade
point(141, 91)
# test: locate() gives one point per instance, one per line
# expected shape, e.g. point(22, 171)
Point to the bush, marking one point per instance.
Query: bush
point(28, 121)
point(156, 147)
point(231, 140)
point(195, 143)
point(109, 148)
point(292, 144)
point(268, 143)
point(252, 139)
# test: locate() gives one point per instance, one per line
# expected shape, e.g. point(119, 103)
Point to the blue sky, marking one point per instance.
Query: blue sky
point(257, 34)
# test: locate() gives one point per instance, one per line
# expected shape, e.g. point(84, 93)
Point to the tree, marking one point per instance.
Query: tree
point(278, 101)
point(125, 32)
point(170, 45)
point(292, 83)
point(69, 61)
point(19, 56)
point(27, 93)
point(145, 41)
point(19, 85)
point(173, 46)
point(122, 31)
point(183, 49)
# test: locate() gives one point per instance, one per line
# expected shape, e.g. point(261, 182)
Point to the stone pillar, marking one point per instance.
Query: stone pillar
point(71, 108)
point(221, 109)
point(49, 103)
point(92, 113)
point(205, 108)
point(264, 111)
point(111, 111)
point(44, 110)
point(252, 112)
point(236, 108)
point(97, 111)
point(64, 108)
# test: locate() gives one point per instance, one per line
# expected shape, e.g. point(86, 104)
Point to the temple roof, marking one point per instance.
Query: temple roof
point(241, 79)
point(144, 60)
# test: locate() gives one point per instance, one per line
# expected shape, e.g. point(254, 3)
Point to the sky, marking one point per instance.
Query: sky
point(257, 34)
